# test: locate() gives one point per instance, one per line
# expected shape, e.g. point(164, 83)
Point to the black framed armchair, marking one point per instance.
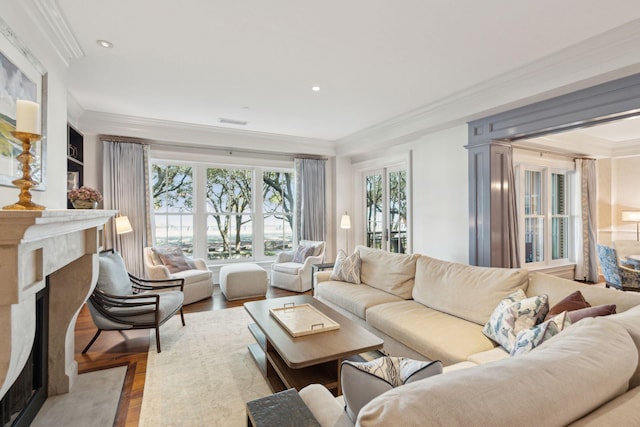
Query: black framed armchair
point(121, 301)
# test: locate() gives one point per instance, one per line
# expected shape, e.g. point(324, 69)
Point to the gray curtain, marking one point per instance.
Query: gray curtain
point(586, 256)
point(310, 199)
point(126, 189)
point(513, 260)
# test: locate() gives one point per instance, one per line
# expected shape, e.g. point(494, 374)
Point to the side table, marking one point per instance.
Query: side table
point(314, 269)
point(283, 409)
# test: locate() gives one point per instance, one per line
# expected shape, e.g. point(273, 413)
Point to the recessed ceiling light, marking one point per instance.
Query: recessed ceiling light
point(315, 88)
point(105, 44)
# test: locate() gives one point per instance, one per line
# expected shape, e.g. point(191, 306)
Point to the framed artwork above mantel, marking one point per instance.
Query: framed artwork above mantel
point(26, 79)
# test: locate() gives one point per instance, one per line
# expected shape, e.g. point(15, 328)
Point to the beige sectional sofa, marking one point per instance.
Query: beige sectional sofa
point(426, 308)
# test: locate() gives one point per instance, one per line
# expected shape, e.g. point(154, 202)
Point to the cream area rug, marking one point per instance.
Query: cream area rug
point(205, 374)
point(93, 401)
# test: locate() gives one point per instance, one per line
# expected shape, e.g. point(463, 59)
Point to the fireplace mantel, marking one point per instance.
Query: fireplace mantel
point(62, 245)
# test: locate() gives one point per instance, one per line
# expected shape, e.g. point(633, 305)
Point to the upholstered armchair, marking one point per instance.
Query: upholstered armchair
point(292, 269)
point(616, 275)
point(121, 301)
point(170, 263)
point(624, 248)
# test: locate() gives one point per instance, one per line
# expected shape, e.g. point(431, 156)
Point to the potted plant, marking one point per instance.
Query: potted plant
point(85, 198)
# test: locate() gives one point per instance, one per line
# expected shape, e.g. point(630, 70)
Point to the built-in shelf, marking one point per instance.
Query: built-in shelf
point(75, 160)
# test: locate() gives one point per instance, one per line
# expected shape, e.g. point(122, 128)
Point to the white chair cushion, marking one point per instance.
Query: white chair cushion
point(287, 267)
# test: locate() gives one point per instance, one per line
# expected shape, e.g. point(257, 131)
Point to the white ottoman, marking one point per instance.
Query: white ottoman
point(245, 280)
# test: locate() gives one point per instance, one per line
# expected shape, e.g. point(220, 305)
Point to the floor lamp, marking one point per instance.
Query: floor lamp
point(345, 224)
point(123, 226)
point(632, 216)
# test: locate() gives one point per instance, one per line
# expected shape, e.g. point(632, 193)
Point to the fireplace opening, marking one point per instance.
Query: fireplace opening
point(26, 396)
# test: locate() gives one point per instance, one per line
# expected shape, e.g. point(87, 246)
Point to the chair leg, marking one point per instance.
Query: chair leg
point(95, 337)
point(158, 339)
point(182, 316)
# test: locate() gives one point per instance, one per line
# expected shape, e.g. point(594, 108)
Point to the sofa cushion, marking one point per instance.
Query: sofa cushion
point(529, 339)
point(513, 314)
point(630, 320)
point(302, 252)
point(173, 258)
point(465, 291)
point(622, 411)
point(573, 301)
point(347, 268)
point(557, 288)
point(355, 299)
point(436, 335)
point(500, 393)
point(599, 310)
point(387, 271)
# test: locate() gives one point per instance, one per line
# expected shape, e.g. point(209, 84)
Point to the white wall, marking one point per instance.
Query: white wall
point(56, 165)
point(617, 191)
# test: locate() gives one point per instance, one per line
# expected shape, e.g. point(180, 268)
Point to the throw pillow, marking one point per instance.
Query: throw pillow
point(173, 258)
point(599, 310)
point(571, 302)
point(514, 314)
point(347, 268)
point(362, 381)
point(302, 252)
point(529, 339)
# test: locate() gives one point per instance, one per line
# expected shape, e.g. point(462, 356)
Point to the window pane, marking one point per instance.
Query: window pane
point(278, 203)
point(398, 211)
point(175, 230)
point(172, 188)
point(534, 239)
point(532, 192)
point(559, 228)
point(228, 190)
point(229, 236)
point(558, 194)
point(373, 212)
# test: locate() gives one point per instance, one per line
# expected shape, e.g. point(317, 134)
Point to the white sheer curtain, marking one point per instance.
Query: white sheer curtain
point(310, 199)
point(126, 189)
point(585, 244)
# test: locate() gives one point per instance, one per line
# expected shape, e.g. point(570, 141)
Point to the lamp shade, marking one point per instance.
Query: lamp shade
point(631, 216)
point(123, 225)
point(345, 222)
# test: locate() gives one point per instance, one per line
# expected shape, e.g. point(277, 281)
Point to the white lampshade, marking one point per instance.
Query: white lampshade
point(631, 216)
point(345, 222)
point(123, 225)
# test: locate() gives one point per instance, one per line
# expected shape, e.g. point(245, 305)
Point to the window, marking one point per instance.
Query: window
point(386, 209)
point(223, 213)
point(544, 198)
point(172, 188)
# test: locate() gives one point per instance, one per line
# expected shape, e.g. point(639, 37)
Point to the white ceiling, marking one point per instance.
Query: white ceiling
point(196, 61)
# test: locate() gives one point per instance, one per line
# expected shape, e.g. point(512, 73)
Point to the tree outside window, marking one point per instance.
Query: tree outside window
point(278, 205)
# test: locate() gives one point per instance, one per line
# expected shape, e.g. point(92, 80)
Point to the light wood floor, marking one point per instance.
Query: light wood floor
point(130, 349)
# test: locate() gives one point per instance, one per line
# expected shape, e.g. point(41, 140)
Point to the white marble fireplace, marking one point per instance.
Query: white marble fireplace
point(62, 245)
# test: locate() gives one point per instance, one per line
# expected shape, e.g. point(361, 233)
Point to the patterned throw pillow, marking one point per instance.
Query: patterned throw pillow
point(529, 339)
point(514, 314)
point(173, 258)
point(302, 253)
point(347, 268)
point(362, 381)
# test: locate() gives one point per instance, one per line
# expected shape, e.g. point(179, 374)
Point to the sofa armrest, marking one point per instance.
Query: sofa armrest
point(158, 272)
point(323, 276)
point(327, 409)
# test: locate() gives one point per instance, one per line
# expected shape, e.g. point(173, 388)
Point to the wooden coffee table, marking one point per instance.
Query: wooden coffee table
point(288, 362)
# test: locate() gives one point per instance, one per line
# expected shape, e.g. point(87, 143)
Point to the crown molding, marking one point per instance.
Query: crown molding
point(201, 135)
point(48, 17)
point(608, 56)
